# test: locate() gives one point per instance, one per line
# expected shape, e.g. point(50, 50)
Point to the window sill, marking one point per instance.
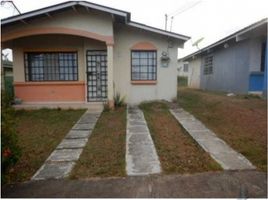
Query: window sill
point(144, 82)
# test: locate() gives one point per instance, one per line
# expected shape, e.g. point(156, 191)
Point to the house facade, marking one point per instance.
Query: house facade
point(80, 52)
point(237, 63)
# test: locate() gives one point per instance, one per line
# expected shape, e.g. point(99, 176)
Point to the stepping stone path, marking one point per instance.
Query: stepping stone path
point(62, 160)
point(228, 158)
point(141, 156)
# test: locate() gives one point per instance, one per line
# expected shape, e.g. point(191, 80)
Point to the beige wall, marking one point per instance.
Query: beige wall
point(94, 22)
point(125, 37)
point(46, 43)
point(52, 43)
point(194, 73)
point(166, 87)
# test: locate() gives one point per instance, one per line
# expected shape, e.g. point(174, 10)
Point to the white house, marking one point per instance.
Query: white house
point(81, 52)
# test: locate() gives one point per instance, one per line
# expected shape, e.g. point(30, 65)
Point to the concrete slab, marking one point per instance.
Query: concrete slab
point(61, 161)
point(138, 129)
point(87, 126)
point(136, 123)
point(75, 134)
point(228, 158)
point(54, 170)
point(233, 161)
point(141, 156)
point(65, 155)
point(203, 135)
point(222, 184)
point(72, 143)
point(193, 126)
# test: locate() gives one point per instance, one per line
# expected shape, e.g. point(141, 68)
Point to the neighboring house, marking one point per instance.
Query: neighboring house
point(237, 63)
point(183, 68)
point(7, 76)
point(81, 52)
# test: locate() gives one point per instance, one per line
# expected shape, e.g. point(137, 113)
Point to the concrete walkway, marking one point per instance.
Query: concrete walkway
point(141, 156)
point(61, 161)
point(223, 184)
point(228, 158)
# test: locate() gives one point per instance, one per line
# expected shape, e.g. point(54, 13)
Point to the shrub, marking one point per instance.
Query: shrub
point(10, 151)
point(118, 100)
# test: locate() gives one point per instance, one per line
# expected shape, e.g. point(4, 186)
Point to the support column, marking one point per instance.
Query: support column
point(110, 75)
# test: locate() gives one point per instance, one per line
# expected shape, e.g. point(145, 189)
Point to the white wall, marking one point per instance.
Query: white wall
point(194, 73)
point(255, 54)
point(94, 22)
point(180, 69)
point(166, 87)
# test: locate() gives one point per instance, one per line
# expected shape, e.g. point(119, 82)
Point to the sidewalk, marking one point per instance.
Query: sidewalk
point(232, 184)
point(227, 157)
point(141, 156)
point(62, 160)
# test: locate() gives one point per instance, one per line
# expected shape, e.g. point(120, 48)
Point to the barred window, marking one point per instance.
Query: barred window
point(185, 67)
point(51, 66)
point(208, 65)
point(143, 65)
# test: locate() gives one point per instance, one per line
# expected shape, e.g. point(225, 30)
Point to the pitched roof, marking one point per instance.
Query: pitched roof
point(123, 16)
point(229, 37)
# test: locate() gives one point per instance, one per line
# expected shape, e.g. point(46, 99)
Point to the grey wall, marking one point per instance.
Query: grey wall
point(230, 69)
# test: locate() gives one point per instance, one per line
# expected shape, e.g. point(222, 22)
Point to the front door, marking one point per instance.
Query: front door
point(96, 75)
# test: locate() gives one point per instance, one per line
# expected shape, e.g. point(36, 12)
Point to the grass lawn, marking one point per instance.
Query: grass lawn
point(104, 154)
point(177, 151)
point(240, 120)
point(39, 132)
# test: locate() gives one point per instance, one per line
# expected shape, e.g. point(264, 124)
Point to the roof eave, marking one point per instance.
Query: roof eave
point(159, 31)
point(232, 36)
point(62, 6)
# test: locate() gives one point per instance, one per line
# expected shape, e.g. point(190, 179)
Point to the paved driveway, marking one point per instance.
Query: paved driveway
point(210, 184)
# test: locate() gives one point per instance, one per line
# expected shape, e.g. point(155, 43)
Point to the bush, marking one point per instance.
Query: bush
point(118, 100)
point(10, 151)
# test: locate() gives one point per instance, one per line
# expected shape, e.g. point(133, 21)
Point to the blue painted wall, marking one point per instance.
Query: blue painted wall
point(256, 82)
point(265, 73)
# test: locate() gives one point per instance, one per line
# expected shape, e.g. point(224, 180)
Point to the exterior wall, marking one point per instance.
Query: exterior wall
point(52, 91)
point(255, 54)
point(97, 23)
point(166, 85)
point(230, 69)
point(180, 70)
point(194, 73)
point(102, 25)
point(71, 91)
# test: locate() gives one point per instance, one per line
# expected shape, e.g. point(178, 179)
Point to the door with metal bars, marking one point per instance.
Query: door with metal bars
point(96, 75)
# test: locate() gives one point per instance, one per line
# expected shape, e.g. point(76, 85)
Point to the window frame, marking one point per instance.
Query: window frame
point(208, 71)
point(131, 71)
point(186, 65)
point(28, 76)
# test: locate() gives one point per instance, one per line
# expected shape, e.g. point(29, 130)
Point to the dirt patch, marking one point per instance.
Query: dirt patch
point(240, 121)
point(104, 154)
point(177, 151)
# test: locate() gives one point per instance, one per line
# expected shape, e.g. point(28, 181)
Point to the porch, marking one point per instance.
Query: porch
point(61, 70)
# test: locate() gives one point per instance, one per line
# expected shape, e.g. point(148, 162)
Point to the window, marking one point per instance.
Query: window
point(143, 65)
point(51, 66)
point(185, 67)
point(208, 65)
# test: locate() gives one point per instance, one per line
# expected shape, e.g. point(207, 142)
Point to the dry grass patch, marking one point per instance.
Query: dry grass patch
point(240, 120)
point(104, 154)
point(39, 132)
point(177, 151)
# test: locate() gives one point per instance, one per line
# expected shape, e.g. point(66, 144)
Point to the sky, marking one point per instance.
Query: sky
point(208, 19)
